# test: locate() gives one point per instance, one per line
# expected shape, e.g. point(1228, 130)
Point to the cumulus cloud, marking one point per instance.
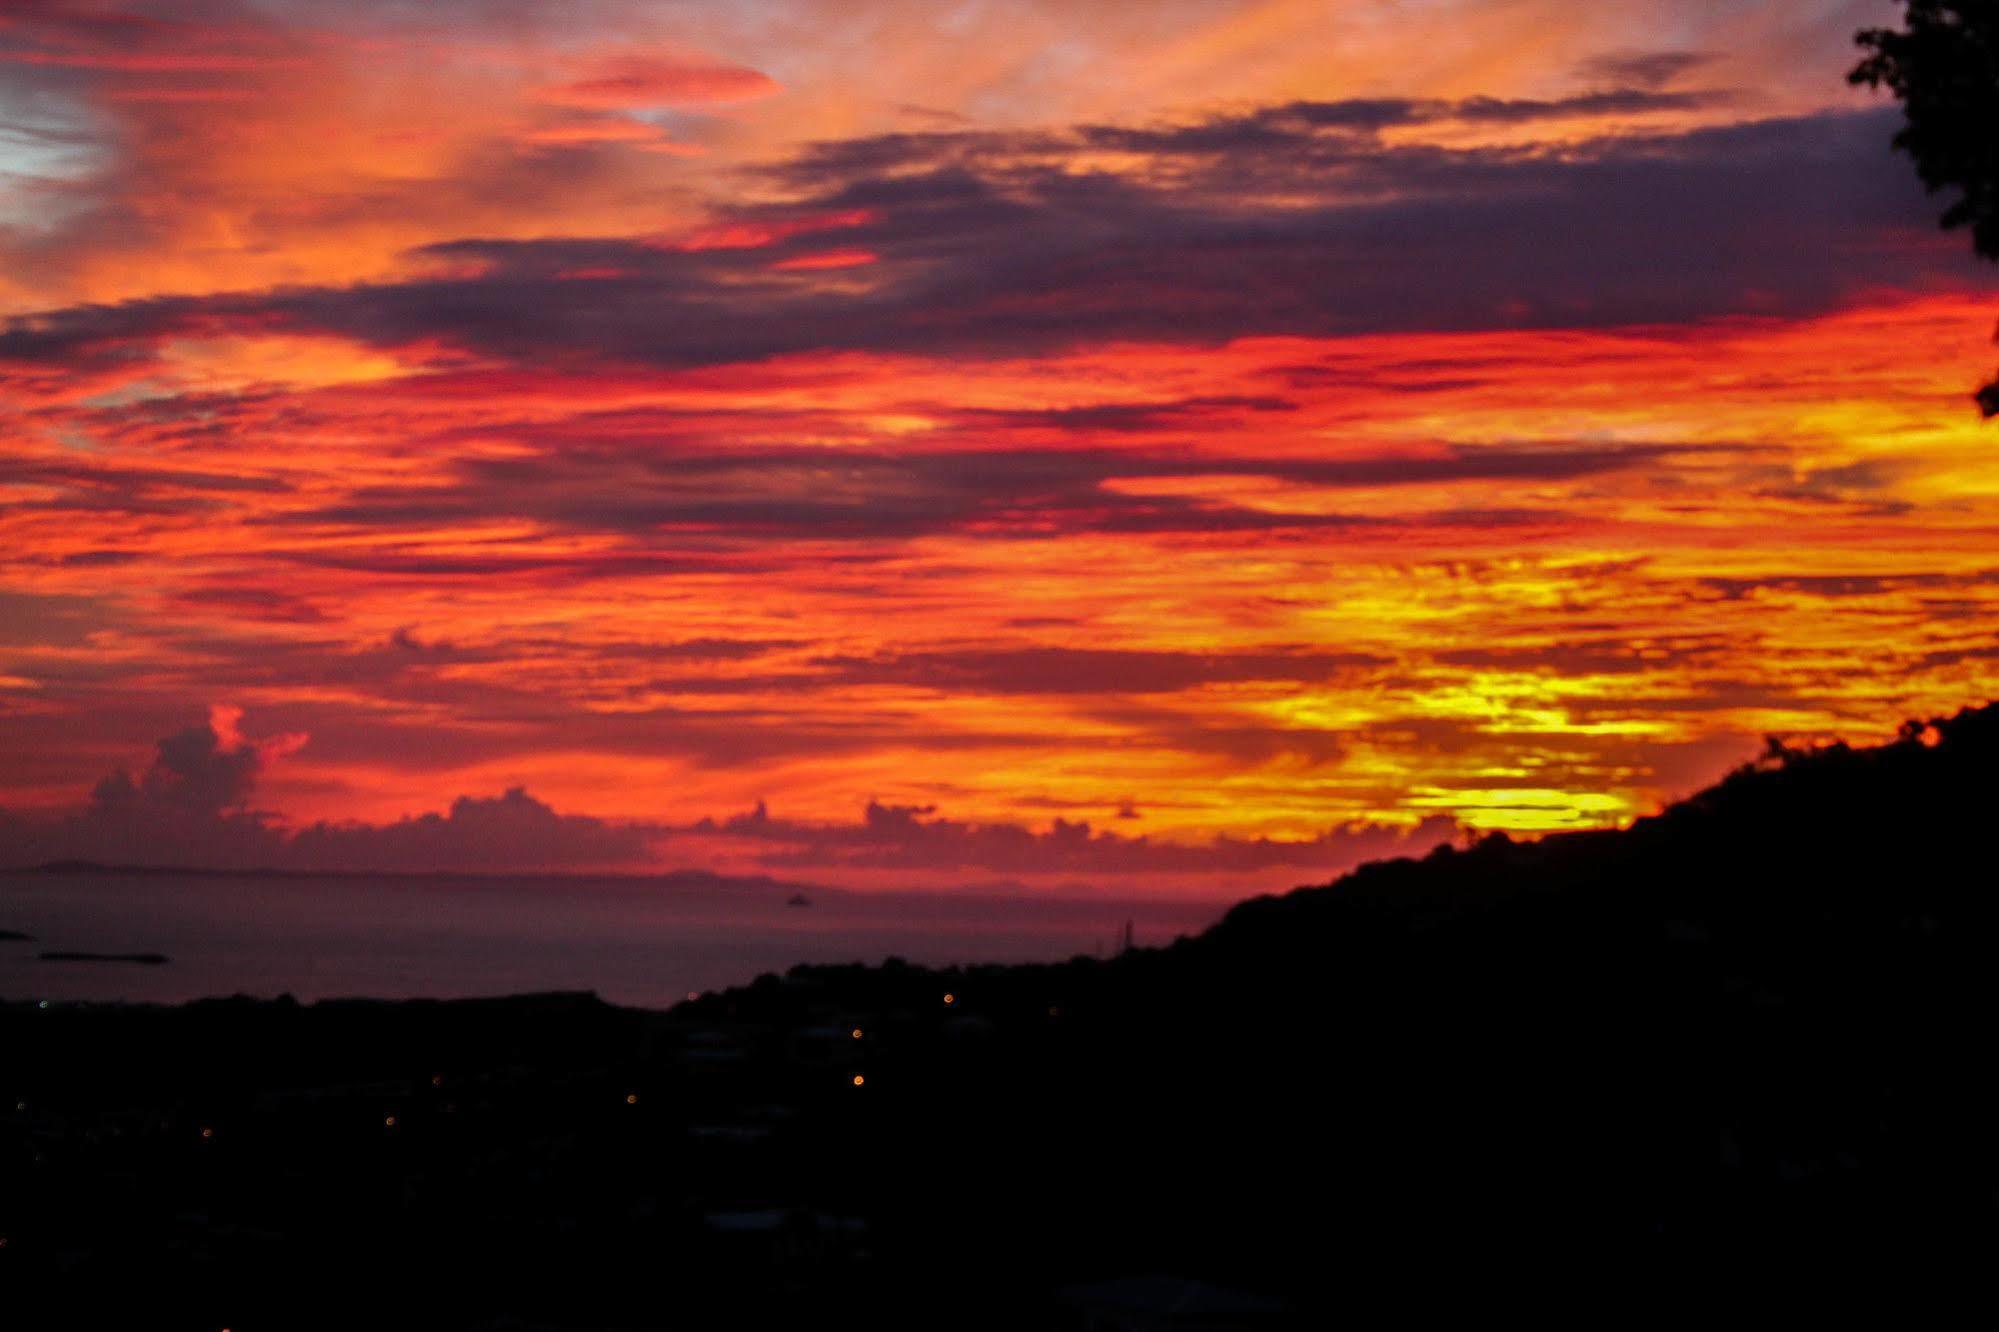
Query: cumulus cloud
point(191, 806)
point(913, 837)
point(511, 831)
point(204, 771)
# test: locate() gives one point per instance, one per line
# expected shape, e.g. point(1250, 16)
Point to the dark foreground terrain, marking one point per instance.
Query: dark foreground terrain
point(1751, 1036)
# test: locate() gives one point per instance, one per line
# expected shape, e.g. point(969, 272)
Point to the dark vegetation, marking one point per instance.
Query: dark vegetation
point(1748, 1036)
point(1943, 66)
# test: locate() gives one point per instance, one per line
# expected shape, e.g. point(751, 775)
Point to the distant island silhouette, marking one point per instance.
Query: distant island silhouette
point(143, 959)
point(1746, 1036)
point(697, 878)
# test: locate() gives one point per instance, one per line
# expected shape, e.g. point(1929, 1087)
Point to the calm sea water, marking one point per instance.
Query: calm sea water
point(633, 942)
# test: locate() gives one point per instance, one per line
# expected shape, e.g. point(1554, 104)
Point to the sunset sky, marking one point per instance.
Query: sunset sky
point(867, 441)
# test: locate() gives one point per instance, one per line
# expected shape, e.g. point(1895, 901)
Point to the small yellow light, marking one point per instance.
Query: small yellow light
point(950, 998)
point(857, 1033)
point(208, 1133)
point(859, 1080)
point(388, 1121)
point(632, 1098)
point(437, 1079)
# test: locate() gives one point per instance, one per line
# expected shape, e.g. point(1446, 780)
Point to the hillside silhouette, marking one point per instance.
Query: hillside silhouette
point(1746, 1038)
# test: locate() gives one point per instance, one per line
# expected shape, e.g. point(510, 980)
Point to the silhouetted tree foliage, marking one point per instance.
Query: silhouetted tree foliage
point(1746, 1042)
point(1944, 68)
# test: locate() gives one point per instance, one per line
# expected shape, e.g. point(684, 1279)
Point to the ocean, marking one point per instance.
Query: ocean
point(647, 943)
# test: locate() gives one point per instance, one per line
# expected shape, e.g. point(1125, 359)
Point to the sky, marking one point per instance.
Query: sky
point(1187, 446)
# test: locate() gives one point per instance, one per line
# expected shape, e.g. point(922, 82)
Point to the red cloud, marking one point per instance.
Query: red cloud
point(826, 259)
point(756, 233)
point(635, 81)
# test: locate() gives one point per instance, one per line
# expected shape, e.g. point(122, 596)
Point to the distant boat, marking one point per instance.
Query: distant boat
point(799, 899)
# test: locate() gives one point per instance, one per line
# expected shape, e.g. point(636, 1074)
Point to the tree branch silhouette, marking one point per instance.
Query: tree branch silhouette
point(1944, 69)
